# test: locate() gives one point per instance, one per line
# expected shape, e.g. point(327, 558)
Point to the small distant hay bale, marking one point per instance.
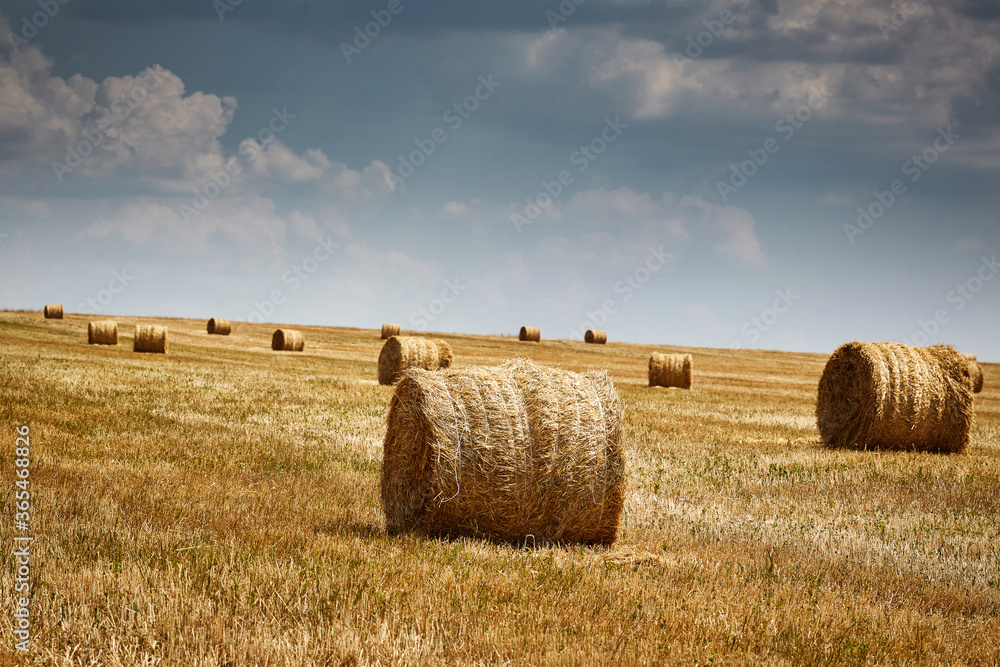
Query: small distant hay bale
point(219, 327)
point(389, 330)
point(530, 334)
point(104, 332)
point(53, 311)
point(288, 340)
point(670, 370)
point(975, 373)
point(150, 338)
point(595, 336)
point(895, 397)
point(402, 352)
point(517, 452)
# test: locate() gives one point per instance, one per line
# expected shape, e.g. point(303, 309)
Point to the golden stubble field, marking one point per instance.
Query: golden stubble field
point(219, 506)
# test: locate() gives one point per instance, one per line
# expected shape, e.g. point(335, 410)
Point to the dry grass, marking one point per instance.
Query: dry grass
point(222, 507)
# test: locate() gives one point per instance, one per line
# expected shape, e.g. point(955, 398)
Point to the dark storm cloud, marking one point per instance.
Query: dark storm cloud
point(421, 17)
point(669, 24)
point(983, 10)
point(836, 34)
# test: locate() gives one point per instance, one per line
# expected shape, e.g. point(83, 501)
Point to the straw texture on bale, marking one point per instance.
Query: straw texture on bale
point(389, 330)
point(975, 373)
point(150, 338)
point(104, 332)
point(53, 311)
point(530, 334)
point(219, 327)
point(288, 340)
point(402, 352)
point(595, 336)
point(518, 452)
point(670, 370)
point(895, 397)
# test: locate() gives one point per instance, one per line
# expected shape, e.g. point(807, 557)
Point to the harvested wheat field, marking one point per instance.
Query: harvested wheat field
point(221, 506)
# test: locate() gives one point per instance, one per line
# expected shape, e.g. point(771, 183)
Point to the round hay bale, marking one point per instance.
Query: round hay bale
point(219, 327)
point(595, 336)
point(402, 352)
point(670, 370)
point(975, 373)
point(389, 330)
point(53, 311)
point(530, 334)
point(518, 452)
point(150, 338)
point(288, 340)
point(104, 332)
point(895, 397)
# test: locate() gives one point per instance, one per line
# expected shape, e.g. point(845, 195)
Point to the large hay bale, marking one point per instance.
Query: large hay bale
point(670, 370)
point(519, 452)
point(389, 330)
point(219, 327)
point(104, 332)
point(288, 340)
point(595, 336)
point(402, 352)
point(150, 338)
point(975, 373)
point(895, 397)
point(53, 311)
point(530, 334)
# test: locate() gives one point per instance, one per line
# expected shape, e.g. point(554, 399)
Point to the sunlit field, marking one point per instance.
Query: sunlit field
point(219, 505)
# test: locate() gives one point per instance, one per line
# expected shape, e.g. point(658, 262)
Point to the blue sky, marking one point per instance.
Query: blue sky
point(673, 172)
